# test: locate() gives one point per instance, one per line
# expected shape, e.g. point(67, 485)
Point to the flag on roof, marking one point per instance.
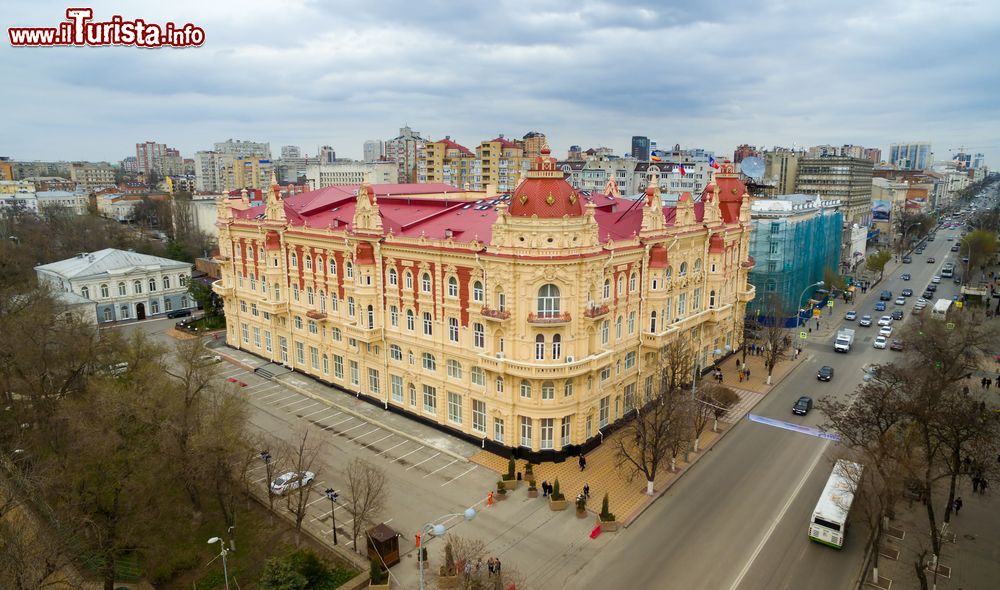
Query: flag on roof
point(680, 168)
point(655, 155)
point(713, 163)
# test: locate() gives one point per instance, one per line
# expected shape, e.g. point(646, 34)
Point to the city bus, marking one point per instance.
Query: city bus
point(829, 520)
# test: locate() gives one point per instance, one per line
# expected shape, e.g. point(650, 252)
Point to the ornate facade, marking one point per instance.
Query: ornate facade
point(528, 320)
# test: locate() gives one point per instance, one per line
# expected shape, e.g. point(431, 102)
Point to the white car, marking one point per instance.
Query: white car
point(287, 482)
point(885, 320)
point(879, 342)
point(865, 321)
point(921, 301)
point(936, 279)
point(900, 301)
point(885, 331)
point(851, 316)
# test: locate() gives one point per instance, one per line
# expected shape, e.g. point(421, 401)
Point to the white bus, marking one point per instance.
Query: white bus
point(829, 520)
point(941, 309)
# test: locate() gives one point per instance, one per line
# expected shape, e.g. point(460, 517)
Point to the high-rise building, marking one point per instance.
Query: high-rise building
point(531, 325)
point(403, 150)
point(781, 165)
point(244, 149)
point(640, 147)
point(873, 154)
point(92, 177)
point(911, 156)
point(534, 141)
point(208, 170)
point(448, 162)
point(373, 150)
point(745, 151)
point(6, 169)
point(843, 178)
point(502, 163)
point(130, 164)
point(158, 158)
point(246, 173)
point(290, 151)
point(327, 155)
point(346, 173)
point(575, 153)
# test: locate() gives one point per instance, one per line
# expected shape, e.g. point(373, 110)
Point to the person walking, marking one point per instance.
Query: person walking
point(740, 375)
point(958, 505)
point(545, 489)
point(583, 462)
point(586, 490)
point(982, 382)
point(982, 485)
point(737, 363)
point(975, 484)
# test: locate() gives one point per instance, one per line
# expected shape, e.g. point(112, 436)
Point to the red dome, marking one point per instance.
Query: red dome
point(544, 192)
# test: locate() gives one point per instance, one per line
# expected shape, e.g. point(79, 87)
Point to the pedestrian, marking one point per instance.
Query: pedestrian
point(989, 383)
point(583, 462)
point(737, 363)
point(586, 490)
point(740, 375)
point(497, 566)
point(975, 484)
point(468, 568)
point(490, 568)
point(982, 382)
point(545, 489)
point(479, 564)
point(748, 373)
point(982, 485)
point(958, 505)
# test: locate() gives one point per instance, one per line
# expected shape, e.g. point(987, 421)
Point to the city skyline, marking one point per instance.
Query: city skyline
point(746, 74)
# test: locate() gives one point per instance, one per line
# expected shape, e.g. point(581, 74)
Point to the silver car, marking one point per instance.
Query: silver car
point(287, 482)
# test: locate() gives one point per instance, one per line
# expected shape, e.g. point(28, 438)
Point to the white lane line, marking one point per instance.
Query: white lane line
point(458, 476)
point(353, 427)
point(309, 404)
point(365, 434)
point(316, 500)
point(325, 409)
point(279, 392)
point(256, 481)
point(408, 454)
point(392, 447)
point(378, 441)
point(257, 385)
point(784, 509)
point(284, 399)
point(422, 462)
point(440, 468)
point(272, 386)
point(348, 419)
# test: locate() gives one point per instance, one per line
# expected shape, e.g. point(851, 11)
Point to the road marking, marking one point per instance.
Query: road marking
point(378, 441)
point(326, 409)
point(353, 427)
point(392, 447)
point(422, 462)
point(270, 387)
point(284, 399)
point(440, 468)
point(408, 454)
point(322, 497)
point(458, 476)
point(365, 434)
point(279, 392)
point(784, 509)
point(310, 403)
point(348, 419)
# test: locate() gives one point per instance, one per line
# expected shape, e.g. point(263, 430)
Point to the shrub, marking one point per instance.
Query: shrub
point(378, 576)
point(581, 502)
point(449, 560)
point(278, 574)
point(532, 485)
point(529, 471)
point(501, 488)
point(606, 516)
point(556, 494)
point(511, 468)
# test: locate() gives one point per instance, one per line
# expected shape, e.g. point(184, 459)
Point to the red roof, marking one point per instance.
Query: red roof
point(731, 191)
point(451, 145)
point(504, 142)
point(545, 193)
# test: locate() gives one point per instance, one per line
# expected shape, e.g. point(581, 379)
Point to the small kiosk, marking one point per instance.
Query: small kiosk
point(383, 544)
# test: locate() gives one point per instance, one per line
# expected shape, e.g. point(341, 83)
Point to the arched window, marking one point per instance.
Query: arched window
point(408, 280)
point(453, 329)
point(452, 287)
point(652, 321)
point(548, 301)
point(319, 263)
point(350, 306)
point(477, 292)
point(182, 280)
point(309, 295)
point(137, 286)
point(309, 262)
point(669, 272)
point(632, 283)
point(618, 328)
point(621, 285)
point(295, 260)
point(166, 282)
point(371, 317)
point(409, 320)
point(393, 277)
point(607, 288)
point(684, 269)
point(85, 292)
point(605, 331)
point(711, 299)
point(499, 385)
point(152, 285)
point(525, 389)
point(104, 290)
point(478, 335)
point(425, 283)
point(556, 347)
point(548, 390)
point(333, 266)
point(121, 289)
point(539, 347)
point(697, 265)
point(349, 270)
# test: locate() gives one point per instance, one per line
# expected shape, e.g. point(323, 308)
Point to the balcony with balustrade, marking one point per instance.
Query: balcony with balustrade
point(549, 318)
point(594, 312)
point(496, 315)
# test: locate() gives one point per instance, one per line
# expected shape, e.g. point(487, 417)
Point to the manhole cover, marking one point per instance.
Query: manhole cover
point(970, 537)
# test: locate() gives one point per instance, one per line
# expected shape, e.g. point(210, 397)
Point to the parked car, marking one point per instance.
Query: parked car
point(907, 260)
point(287, 482)
point(897, 314)
point(935, 279)
point(179, 313)
point(208, 359)
point(918, 310)
point(932, 287)
point(907, 292)
point(802, 406)
point(954, 248)
point(905, 276)
point(825, 373)
point(885, 331)
point(880, 306)
point(865, 321)
point(851, 316)
point(957, 280)
point(928, 294)
point(896, 345)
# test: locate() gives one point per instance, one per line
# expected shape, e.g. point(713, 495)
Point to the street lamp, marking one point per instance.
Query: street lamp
point(798, 315)
point(332, 495)
point(438, 530)
point(225, 569)
point(266, 457)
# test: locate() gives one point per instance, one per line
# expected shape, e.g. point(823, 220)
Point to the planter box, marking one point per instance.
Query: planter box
point(448, 581)
point(558, 504)
point(609, 526)
point(499, 497)
point(581, 513)
point(511, 484)
point(532, 493)
point(373, 586)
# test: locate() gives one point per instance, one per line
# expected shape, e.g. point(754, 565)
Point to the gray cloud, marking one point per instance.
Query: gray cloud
point(711, 74)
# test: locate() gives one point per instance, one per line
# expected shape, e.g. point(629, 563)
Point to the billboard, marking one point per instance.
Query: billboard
point(881, 210)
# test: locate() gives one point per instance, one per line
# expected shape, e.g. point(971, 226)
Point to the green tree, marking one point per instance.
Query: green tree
point(279, 574)
point(207, 298)
point(979, 246)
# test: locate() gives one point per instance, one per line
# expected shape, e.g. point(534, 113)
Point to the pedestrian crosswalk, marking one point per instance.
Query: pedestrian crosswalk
point(748, 399)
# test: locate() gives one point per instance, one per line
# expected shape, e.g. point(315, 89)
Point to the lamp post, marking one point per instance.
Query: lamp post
point(225, 568)
point(438, 530)
point(266, 458)
point(798, 315)
point(333, 495)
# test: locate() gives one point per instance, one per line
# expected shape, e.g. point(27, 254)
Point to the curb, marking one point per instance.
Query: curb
point(652, 499)
point(322, 399)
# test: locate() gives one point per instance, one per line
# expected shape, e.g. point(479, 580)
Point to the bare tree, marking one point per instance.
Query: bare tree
point(302, 456)
point(368, 494)
point(721, 399)
point(663, 424)
point(775, 338)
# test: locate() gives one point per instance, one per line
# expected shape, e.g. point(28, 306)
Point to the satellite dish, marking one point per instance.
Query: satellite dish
point(752, 166)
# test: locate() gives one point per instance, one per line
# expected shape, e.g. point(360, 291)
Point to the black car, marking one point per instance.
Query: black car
point(928, 295)
point(825, 374)
point(954, 248)
point(179, 313)
point(897, 314)
point(907, 260)
point(932, 287)
point(907, 292)
point(802, 407)
point(885, 295)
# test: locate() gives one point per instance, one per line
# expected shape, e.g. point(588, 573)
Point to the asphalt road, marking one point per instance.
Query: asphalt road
point(739, 518)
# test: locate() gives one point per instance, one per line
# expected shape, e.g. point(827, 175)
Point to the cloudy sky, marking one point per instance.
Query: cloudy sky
point(589, 72)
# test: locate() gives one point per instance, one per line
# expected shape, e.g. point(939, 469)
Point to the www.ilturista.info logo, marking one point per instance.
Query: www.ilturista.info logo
point(80, 30)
